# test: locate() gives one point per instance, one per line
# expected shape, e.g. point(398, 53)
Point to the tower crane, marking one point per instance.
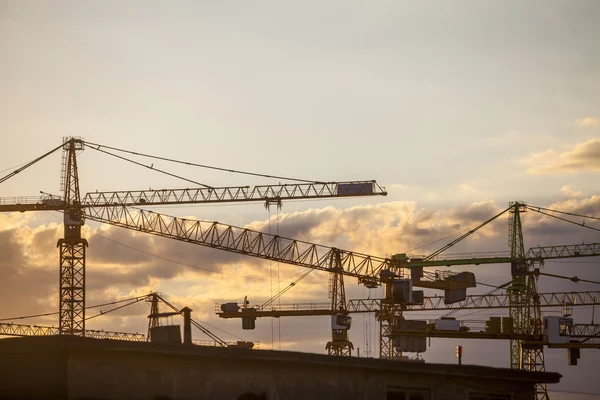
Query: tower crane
point(370, 270)
point(399, 273)
point(72, 246)
point(523, 297)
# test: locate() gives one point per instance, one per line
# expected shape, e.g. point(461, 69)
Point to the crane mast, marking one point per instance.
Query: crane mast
point(518, 289)
point(116, 208)
point(72, 248)
point(340, 344)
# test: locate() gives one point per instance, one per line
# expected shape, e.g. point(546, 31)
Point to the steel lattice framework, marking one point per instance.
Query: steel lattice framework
point(256, 244)
point(234, 194)
point(230, 194)
point(585, 331)
point(340, 344)
point(72, 247)
point(517, 291)
point(35, 330)
point(472, 302)
point(532, 353)
point(485, 301)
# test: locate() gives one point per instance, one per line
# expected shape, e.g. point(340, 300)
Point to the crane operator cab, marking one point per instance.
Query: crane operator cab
point(557, 329)
point(341, 321)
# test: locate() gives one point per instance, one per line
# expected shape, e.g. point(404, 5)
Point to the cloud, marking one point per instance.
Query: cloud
point(582, 157)
point(570, 193)
point(587, 122)
point(465, 188)
point(28, 268)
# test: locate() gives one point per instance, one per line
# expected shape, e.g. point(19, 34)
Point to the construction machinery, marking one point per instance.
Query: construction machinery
point(399, 273)
point(522, 298)
point(158, 332)
point(120, 208)
point(396, 272)
point(72, 247)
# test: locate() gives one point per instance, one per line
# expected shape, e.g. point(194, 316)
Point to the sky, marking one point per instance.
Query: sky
point(456, 108)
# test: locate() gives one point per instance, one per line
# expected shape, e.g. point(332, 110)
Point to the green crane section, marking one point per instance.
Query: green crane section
point(517, 291)
point(429, 303)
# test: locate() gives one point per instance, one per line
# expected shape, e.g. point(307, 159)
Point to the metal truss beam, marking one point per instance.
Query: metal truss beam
point(250, 243)
point(586, 331)
point(499, 257)
point(35, 330)
point(234, 194)
point(528, 339)
point(558, 299)
point(566, 251)
point(72, 287)
point(229, 194)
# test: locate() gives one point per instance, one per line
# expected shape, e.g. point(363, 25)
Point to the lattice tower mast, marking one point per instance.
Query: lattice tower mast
point(340, 344)
point(72, 247)
point(517, 290)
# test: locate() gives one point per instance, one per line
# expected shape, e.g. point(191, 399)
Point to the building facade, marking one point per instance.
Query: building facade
point(62, 367)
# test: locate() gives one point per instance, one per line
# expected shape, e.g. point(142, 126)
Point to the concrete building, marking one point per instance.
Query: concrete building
point(61, 367)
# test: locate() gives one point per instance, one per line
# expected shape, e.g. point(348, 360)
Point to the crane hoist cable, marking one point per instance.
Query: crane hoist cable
point(247, 277)
point(116, 308)
point(199, 326)
point(150, 167)
point(564, 212)
point(278, 280)
point(288, 287)
point(563, 219)
point(490, 285)
point(203, 165)
point(29, 164)
point(572, 279)
point(87, 308)
point(496, 288)
point(13, 167)
point(283, 280)
point(446, 247)
point(439, 240)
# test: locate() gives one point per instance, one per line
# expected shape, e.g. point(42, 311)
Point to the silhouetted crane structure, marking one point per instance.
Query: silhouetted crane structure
point(72, 247)
point(370, 270)
point(399, 273)
point(522, 298)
